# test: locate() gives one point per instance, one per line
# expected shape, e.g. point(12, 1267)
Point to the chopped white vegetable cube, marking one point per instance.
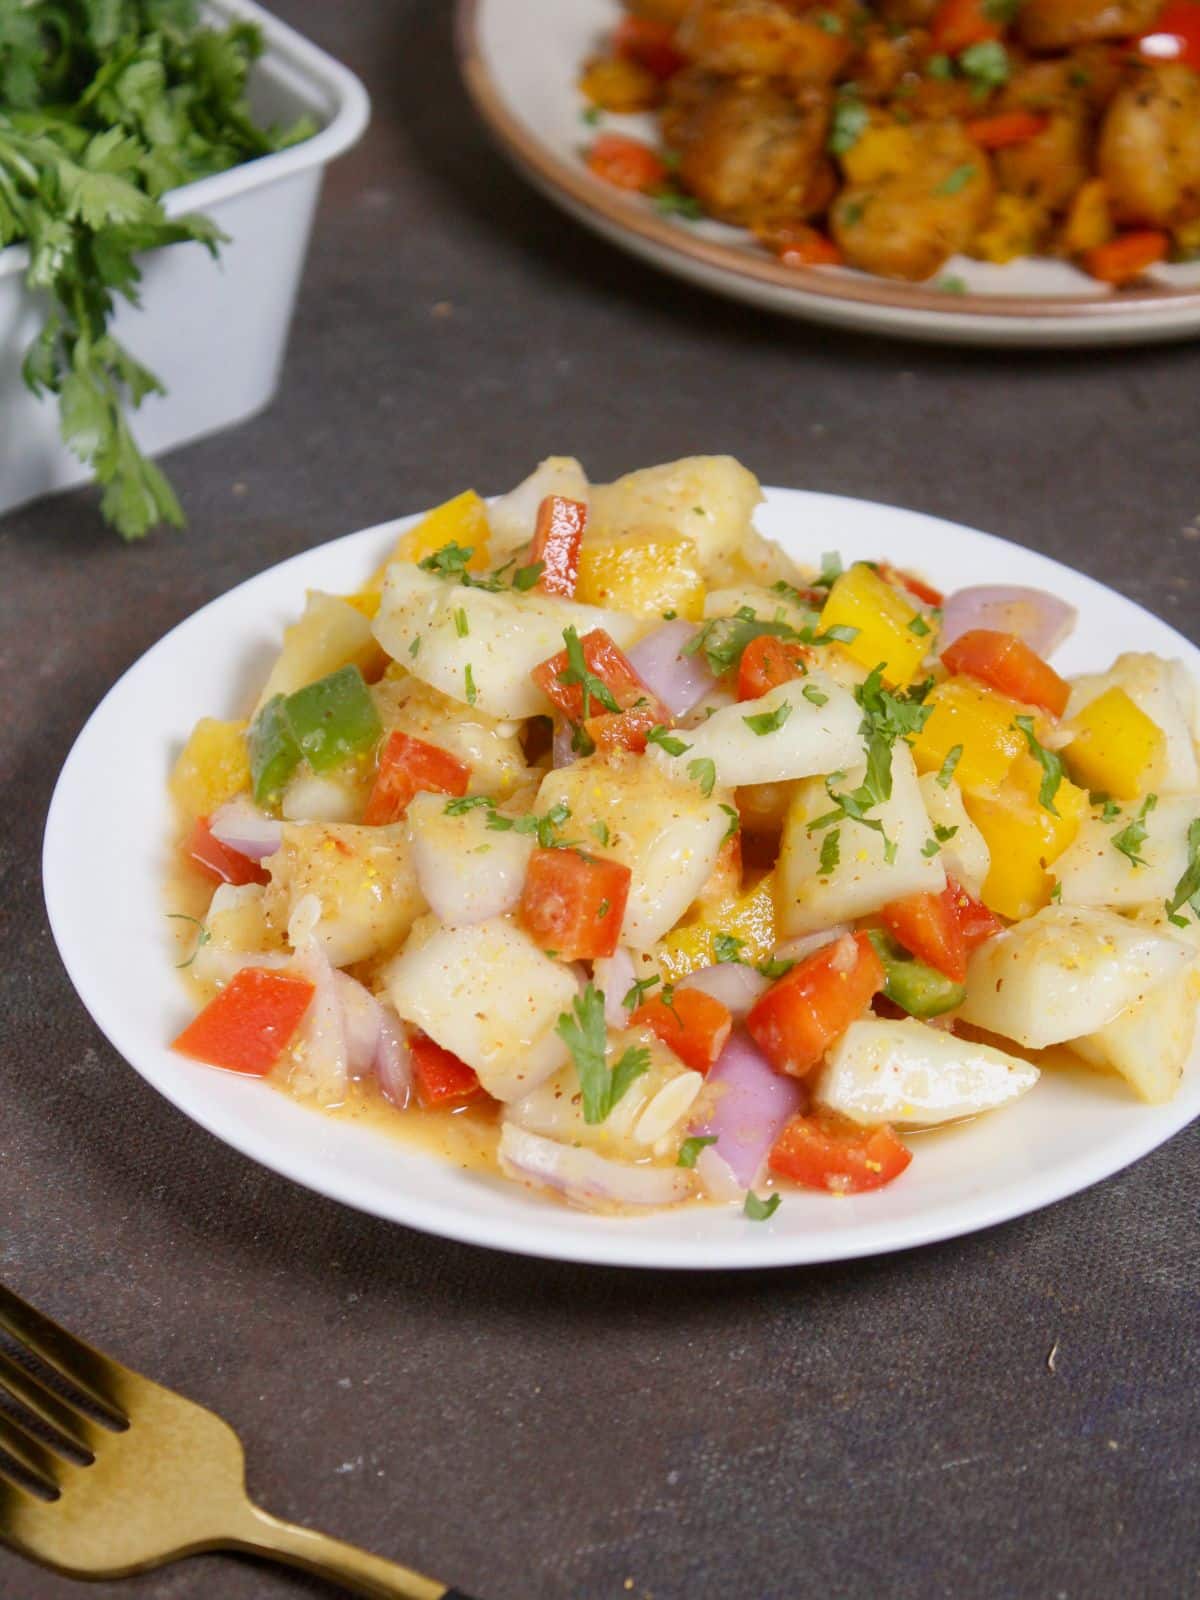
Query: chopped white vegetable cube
point(480, 647)
point(710, 499)
point(908, 1073)
point(467, 871)
point(668, 833)
point(811, 735)
point(1149, 1044)
point(489, 995)
point(863, 879)
point(362, 878)
point(1065, 972)
point(1093, 872)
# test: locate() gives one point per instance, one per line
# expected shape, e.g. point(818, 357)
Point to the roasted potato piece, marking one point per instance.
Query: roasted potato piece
point(1049, 168)
point(768, 39)
point(748, 152)
point(1059, 24)
point(1149, 154)
point(907, 222)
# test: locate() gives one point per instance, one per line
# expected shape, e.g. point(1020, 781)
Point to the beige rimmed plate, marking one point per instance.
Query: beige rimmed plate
point(521, 61)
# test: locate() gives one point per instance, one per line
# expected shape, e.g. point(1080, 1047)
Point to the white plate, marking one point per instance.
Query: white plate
point(521, 61)
point(105, 857)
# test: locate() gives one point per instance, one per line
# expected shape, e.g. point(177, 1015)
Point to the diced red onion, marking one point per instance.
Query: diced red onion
point(362, 1016)
point(678, 680)
point(322, 1055)
point(797, 949)
point(737, 987)
point(393, 1060)
point(750, 1112)
point(614, 976)
point(1041, 619)
point(562, 754)
point(241, 826)
point(587, 1179)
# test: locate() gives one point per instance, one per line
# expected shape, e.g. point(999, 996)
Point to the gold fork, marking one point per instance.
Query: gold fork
point(159, 1478)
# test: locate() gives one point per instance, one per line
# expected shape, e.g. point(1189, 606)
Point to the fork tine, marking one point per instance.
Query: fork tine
point(91, 1373)
point(23, 1387)
point(29, 1453)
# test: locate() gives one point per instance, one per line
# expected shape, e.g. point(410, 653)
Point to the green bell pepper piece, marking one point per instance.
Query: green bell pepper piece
point(274, 753)
point(332, 719)
point(919, 989)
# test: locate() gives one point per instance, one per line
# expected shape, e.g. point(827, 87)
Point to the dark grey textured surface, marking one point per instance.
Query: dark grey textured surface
point(530, 1431)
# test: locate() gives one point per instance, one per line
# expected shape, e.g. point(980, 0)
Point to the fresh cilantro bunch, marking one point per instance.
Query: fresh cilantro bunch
point(104, 106)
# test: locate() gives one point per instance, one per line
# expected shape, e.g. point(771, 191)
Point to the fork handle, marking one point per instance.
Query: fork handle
point(262, 1534)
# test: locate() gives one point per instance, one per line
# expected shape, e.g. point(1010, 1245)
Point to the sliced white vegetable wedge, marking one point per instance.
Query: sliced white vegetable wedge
point(810, 737)
point(513, 516)
point(478, 647)
point(467, 871)
point(363, 879)
point(913, 1075)
point(1093, 872)
point(667, 833)
point(1165, 692)
point(489, 995)
point(587, 1179)
point(863, 879)
point(965, 854)
point(710, 499)
point(1149, 1044)
point(1066, 972)
point(651, 1109)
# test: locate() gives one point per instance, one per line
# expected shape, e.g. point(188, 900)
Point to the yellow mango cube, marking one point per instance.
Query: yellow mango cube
point(1116, 747)
point(645, 573)
point(1023, 836)
point(366, 601)
point(213, 766)
point(1012, 229)
point(462, 521)
point(1088, 222)
point(981, 722)
point(749, 917)
point(862, 600)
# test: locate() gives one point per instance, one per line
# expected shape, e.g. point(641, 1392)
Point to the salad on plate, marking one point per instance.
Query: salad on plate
point(596, 837)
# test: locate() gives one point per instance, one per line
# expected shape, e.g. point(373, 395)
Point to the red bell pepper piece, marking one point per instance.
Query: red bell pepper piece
point(247, 1027)
point(442, 1080)
point(218, 861)
point(960, 23)
point(626, 163)
point(557, 537)
point(767, 662)
point(691, 1023)
point(650, 43)
point(818, 1153)
point(408, 766)
point(1006, 128)
point(1005, 662)
point(1126, 258)
point(574, 903)
point(901, 578)
point(796, 1021)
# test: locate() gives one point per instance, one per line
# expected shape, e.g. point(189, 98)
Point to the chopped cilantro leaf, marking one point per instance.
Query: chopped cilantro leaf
point(946, 771)
point(1133, 836)
point(930, 848)
point(759, 1210)
point(769, 721)
point(776, 967)
point(635, 995)
point(704, 772)
point(942, 833)
point(578, 672)
point(525, 578)
point(472, 693)
point(1187, 890)
point(726, 948)
point(666, 741)
point(691, 1147)
point(599, 831)
point(814, 695)
point(850, 121)
point(735, 823)
point(919, 626)
point(461, 626)
point(957, 180)
point(585, 1035)
point(987, 65)
point(1051, 764)
point(831, 851)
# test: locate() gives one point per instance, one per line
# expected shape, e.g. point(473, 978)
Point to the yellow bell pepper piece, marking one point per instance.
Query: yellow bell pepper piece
point(1013, 229)
point(645, 573)
point(982, 722)
point(462, 521)
point(366, 601)
point(1023, 837)
point(861, 599)
point(1117, 748)
point(213, 766)
point(1088, 222)
point(749, 917)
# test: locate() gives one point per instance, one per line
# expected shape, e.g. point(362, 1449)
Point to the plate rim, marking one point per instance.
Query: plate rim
point(606, 207)
point(589, 1239)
